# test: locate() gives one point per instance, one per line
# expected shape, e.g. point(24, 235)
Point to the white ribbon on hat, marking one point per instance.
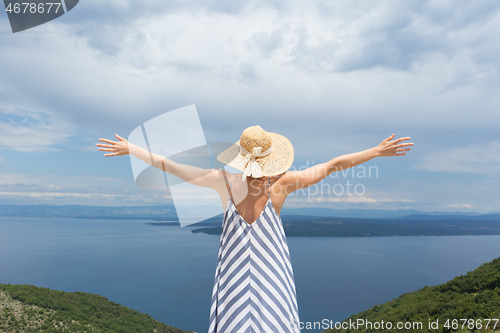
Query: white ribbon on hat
point(252, 167)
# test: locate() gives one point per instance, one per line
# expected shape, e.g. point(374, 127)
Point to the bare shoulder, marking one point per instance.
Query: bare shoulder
point(212, 178)
point(230, 181)
point(288, 177)
point(284, 183)
point(223, 176)
point(290, 181)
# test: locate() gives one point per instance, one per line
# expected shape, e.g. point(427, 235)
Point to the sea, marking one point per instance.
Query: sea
point(168, 271)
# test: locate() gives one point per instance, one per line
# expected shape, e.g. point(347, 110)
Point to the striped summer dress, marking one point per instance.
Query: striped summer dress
point(254, 288)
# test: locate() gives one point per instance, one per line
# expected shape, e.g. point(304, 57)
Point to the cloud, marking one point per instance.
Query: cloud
point(458, 206)
point(333, 76)
point(12, 178)
point(347, 199)
point(474, 158)
point(353, 202)
point(28, 130)
point(352, 36)
point(330, 62)
point(55, 182)
point(94, 190)
point(100, 199)
point(267, 43)
point(18, 188)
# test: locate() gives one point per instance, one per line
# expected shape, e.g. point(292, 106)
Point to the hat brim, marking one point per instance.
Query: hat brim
point(278, 161)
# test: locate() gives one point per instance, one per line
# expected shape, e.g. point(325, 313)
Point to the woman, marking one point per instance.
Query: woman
point(254, 289)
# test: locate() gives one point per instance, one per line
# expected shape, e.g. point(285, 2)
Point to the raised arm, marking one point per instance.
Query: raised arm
point(295, 180)
point(212, 178)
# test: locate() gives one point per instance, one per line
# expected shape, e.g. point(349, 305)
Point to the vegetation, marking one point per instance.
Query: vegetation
point(26, 309)
point(475, 296)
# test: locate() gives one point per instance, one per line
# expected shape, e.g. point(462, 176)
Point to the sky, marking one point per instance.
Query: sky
point(334, 77)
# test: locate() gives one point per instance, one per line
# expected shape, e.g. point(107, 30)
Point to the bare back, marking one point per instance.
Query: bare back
point(250, 197)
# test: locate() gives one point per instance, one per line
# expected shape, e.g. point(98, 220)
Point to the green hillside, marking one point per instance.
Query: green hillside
point(475, 296)
point(26, 308)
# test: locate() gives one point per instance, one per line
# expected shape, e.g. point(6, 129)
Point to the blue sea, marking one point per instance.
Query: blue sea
point(167, 271)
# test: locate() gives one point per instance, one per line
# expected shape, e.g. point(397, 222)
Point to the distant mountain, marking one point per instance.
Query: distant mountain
point(368, 213)
point(448, 216)
point(167, 212)
point(378, 222)
point(26, 308)
point(415, 225)
point(474, 296)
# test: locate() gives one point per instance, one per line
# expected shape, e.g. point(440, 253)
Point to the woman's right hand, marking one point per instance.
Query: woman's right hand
point(115, 148)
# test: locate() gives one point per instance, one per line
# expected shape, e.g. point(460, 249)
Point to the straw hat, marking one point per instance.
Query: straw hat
point(259, 153)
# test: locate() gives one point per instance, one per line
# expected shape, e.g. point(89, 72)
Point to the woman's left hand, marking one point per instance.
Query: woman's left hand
point(394, 148)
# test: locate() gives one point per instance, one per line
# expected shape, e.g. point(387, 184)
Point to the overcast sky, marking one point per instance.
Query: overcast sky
point(333, 76)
